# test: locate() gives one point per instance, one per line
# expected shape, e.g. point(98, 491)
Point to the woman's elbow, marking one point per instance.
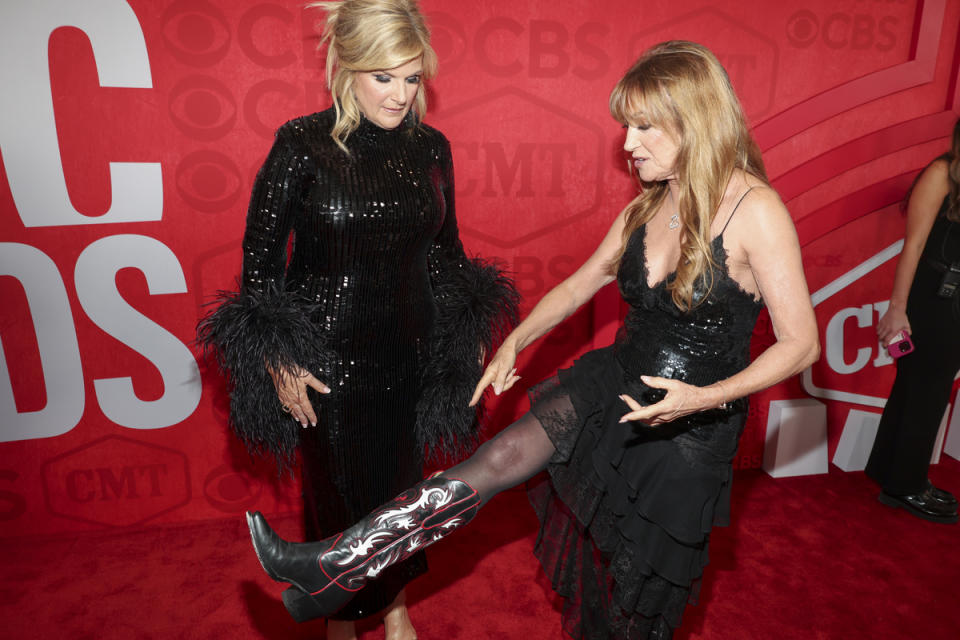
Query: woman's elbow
point(811, 351)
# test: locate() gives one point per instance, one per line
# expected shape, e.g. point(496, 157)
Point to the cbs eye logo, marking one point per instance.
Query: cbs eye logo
point(840, 30)
point(196, 33)
point(229, 491)
point(203, 108)
point(208, 181)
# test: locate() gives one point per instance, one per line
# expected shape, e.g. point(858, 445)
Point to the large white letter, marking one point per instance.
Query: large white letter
point(28, 132)
point(835, 339)
point(57, 342)
point(95, 278)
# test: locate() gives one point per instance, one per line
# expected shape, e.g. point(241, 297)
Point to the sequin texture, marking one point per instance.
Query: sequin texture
point(370, 235)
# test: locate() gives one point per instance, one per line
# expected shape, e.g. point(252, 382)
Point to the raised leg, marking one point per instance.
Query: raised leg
point(331, 571)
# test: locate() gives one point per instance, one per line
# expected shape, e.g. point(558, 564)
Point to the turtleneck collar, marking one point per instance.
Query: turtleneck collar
point(371, 132)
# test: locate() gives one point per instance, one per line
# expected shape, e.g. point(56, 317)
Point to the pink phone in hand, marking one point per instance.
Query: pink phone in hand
point(901, 345)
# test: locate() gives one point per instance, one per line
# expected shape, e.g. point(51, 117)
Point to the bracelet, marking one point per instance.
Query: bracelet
point(723, 394)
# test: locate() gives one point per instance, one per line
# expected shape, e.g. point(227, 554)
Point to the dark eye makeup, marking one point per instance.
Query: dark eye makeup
point(384, 78)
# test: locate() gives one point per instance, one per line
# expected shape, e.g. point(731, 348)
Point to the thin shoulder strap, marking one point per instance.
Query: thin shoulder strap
point(735, 209)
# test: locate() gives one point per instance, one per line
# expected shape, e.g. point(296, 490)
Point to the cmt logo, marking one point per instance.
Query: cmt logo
point(116, 481)
point(852, 354)
point(532, 171)
point(865, 317)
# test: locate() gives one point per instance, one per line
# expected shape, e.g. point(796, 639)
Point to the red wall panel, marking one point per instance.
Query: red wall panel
point(130, 133)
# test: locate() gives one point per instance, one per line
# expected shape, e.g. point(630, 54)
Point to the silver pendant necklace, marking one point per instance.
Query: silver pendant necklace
point(675, 218)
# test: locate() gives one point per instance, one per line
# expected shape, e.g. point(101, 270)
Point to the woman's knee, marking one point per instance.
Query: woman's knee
point(503, 453)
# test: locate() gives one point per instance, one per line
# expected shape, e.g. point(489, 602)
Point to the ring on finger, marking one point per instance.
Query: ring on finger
point(286, 408)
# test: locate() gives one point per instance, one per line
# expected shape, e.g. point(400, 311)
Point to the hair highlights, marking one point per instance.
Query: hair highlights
point(371, 35)
point(681, 88)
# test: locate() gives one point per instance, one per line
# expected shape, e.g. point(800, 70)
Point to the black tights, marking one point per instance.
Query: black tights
point(512, 456)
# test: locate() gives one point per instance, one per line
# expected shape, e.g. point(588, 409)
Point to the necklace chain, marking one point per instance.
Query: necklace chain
point(675, 218)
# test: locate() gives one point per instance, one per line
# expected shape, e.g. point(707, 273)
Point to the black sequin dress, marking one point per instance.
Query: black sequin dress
point(377, 299)
point(627, 510)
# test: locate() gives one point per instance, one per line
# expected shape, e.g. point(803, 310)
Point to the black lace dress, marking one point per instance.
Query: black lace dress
point(627, 510)
point(377, 299)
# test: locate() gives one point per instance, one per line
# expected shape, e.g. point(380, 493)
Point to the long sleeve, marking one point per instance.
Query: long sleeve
point(265, 324)
point(477, 305)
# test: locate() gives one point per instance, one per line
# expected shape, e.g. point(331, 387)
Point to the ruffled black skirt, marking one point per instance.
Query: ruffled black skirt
point(626, 514)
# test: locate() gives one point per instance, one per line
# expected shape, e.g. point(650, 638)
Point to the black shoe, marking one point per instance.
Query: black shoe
point(942, 496)
point(922, 505)
point(328, 573)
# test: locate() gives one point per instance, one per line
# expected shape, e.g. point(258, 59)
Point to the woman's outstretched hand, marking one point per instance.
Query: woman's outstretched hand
point(291, 388)
point(682, 399)
point(500, 372)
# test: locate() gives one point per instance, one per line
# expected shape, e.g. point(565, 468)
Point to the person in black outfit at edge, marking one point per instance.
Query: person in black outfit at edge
point(638, 437)
point(370, 336)
point(926, 305)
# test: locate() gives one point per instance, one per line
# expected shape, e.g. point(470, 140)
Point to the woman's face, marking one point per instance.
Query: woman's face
point(654, 150)
point(385, 96)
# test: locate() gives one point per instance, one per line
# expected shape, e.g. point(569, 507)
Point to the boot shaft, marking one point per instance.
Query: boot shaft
point(396, 530)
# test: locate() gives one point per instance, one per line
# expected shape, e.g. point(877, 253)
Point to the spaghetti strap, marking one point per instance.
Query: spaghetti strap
point(737, 206)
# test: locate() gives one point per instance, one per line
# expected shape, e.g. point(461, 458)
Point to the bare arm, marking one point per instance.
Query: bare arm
point(558, 304)
point(928, 193)
point(768, 242)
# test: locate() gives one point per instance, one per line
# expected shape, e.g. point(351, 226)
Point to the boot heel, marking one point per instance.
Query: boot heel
point(301, 606)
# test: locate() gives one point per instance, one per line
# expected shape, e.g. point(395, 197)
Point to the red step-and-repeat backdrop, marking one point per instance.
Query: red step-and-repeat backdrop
point(130, 133)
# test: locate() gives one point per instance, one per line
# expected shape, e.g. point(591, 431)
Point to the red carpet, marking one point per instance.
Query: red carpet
point(805, 558)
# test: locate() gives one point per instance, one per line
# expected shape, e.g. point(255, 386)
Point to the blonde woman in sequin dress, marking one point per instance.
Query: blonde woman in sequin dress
point(352, 349)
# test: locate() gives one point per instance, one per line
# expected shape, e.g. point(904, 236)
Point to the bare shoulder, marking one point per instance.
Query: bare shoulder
point(937, 170)
point(934, 180)
point(760, 215)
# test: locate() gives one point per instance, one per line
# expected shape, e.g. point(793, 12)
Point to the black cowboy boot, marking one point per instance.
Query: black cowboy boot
point(331, 571)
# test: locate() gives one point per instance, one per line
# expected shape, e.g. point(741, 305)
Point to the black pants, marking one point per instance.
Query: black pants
point(908, 429)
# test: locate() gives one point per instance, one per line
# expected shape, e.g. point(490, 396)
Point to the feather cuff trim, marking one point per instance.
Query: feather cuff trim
point(247, 332)
point(478, 305)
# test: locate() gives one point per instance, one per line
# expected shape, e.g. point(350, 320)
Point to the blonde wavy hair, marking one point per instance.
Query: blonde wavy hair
point(681, 88)
point(371, 35)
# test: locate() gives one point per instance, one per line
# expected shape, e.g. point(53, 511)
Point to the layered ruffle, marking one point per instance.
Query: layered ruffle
point(627, 512)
